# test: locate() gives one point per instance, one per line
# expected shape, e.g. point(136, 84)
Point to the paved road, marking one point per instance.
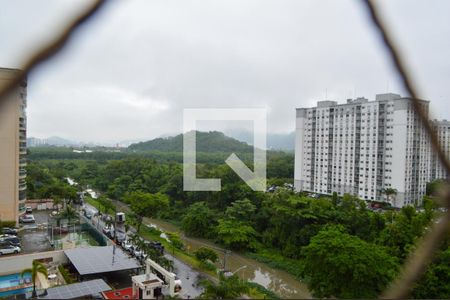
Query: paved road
point(189, 277)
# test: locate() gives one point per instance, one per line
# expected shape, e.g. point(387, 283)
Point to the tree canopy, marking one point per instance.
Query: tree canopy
point(343, 266)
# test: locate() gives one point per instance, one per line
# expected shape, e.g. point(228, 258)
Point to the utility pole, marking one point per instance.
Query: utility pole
point(225, 255)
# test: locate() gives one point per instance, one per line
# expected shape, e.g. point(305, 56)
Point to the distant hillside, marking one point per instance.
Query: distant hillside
point(51, 141)
point(212, 141)
point(275, 141)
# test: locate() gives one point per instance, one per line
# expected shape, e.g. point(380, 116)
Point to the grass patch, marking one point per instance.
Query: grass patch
point(189, 259)
point(207, 266)
point(98, 206)
point(257, 291)
point(93, 202)
point(10, 224)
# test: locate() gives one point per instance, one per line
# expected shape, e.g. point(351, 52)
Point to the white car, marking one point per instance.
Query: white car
point(26, 219)
point(138, 252)
point(9, 249)
point(127, 246)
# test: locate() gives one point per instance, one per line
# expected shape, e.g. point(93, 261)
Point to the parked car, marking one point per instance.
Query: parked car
point(127, 246)
point(11, 231)
point(289, 186)
point(9, 249)
point(89, 212)
point(157, 246)
point(271, 189)
point(12, 239)
point(106, 218)
point(27, 219)
point(138, 253)
point(108, 231)
point(28, 210)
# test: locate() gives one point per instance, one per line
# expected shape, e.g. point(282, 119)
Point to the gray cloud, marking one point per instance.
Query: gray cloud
point(130, 72)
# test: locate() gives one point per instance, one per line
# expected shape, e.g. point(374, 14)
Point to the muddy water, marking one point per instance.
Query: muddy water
point(282, 283)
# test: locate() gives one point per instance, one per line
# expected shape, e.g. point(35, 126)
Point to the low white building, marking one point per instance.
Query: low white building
point(147, 286)
point(157, 282)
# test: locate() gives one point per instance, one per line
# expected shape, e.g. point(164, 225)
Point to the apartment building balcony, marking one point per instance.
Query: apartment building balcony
point(22, 162)
point(22, 187)
point(23, 195)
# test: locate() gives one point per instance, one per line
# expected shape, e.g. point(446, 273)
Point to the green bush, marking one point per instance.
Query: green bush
point(203, 254)
point(10, 224)
point(262, 290)
point(207, 265)
point(153, 231)
point(175, 240)
point(66, 275)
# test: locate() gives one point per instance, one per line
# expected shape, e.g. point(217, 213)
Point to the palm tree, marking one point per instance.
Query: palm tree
point(136, 240)
point(228, 288)
point(69, 213)
point(56, 202)
point(165, 263)
point(36, 268)
point(389, 192)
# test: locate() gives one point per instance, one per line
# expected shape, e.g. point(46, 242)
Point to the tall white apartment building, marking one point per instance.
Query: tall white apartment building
point(442, 130)
point(13, 149)
point(363, 147)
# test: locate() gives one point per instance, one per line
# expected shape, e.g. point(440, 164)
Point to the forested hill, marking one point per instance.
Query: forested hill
point(212, 141)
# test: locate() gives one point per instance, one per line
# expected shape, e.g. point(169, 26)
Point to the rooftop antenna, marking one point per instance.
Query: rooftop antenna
point(326, 94)
point(387, 86)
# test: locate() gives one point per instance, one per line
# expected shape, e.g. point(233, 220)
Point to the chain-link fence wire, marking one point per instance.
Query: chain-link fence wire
point(418, 261)
point(50, 49)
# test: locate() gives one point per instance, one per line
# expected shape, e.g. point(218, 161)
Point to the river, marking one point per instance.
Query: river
point(281, 282)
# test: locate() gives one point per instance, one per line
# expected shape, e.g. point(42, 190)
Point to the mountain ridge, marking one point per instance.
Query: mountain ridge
point(211, 141)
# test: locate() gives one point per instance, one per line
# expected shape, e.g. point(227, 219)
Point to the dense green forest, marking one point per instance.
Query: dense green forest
point(336, 244)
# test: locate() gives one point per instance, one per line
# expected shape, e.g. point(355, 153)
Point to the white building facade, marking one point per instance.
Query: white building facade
point(363, 147)
point(442, 130)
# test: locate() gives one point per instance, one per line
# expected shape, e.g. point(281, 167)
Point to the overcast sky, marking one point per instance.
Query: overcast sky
point(130, 73)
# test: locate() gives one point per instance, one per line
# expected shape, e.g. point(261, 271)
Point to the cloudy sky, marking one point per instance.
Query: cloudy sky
point(130, 73)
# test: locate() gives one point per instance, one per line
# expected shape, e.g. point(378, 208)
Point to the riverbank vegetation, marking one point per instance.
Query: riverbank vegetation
point(336, 244)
